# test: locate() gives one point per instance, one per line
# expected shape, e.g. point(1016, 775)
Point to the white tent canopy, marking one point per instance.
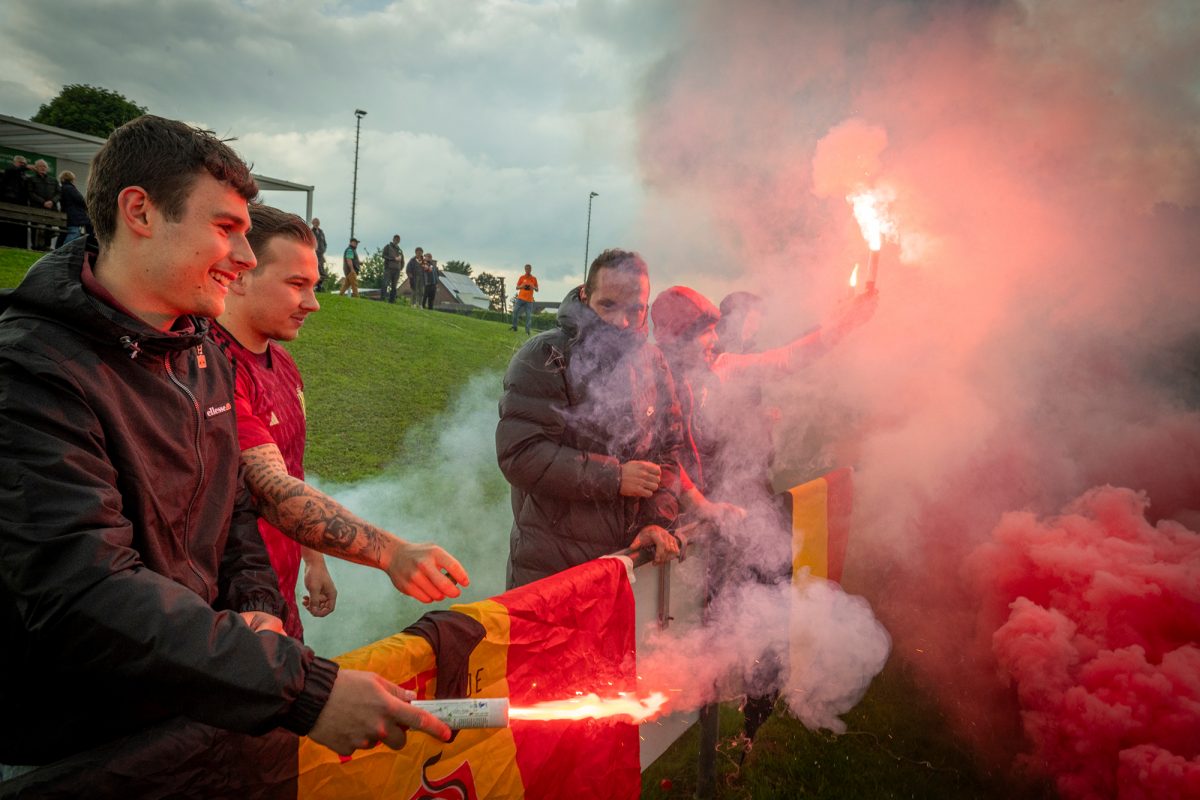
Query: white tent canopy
point(74, 151)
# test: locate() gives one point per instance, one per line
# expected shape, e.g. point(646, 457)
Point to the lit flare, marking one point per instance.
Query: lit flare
point(592, 706)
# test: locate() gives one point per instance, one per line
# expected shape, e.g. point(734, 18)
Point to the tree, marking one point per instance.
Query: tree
point(461, 267)
point(88, 109)
point(370, 274)
point(493, 287)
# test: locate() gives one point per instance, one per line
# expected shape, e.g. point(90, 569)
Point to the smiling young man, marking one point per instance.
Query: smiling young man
point(134, 586)
point(589, 431)
point(268, 304)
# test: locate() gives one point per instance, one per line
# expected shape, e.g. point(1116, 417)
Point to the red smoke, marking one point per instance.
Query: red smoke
point(1097, 626)
point(1036, 336)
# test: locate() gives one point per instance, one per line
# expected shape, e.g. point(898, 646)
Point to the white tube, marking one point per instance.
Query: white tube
point(459, 713)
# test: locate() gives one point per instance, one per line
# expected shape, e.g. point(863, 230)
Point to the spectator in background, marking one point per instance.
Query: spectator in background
point(43, 193)
point(74, 206)
point(526, 286)
point(393, 257)
point(13, 189)
point(415, 270)
point(319, 236)
point(350, 267)
point(432, 274)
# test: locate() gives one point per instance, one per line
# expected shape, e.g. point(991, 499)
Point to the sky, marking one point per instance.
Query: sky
point(488, 123)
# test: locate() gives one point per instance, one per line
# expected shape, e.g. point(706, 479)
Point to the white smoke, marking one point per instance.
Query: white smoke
point(453, 495)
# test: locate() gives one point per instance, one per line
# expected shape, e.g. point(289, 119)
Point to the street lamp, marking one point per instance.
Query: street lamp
point(358, 115)
point(587, 240)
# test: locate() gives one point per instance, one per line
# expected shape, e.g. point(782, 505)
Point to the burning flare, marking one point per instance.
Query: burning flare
point(592, 706)
point(870, 208)
point(854, 277)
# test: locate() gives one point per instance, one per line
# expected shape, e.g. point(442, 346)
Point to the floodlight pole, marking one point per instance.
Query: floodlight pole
point(588, 238)
point(358, 115)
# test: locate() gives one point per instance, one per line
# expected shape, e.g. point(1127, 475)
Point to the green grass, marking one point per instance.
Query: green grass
point(898, 745)
point(379, 375)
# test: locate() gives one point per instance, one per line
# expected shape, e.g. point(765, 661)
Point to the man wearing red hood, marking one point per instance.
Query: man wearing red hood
point(727, 446)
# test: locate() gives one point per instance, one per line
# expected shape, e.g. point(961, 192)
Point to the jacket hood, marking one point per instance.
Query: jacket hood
point(53, 290)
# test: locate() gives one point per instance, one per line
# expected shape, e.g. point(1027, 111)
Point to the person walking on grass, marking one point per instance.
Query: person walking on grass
point(350, 267)
point(527, 284)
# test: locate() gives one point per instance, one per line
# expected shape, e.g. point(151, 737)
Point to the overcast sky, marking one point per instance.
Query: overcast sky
point(488, 122)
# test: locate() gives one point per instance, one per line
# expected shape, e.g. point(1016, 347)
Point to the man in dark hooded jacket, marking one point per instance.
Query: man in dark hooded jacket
point(134, 587)
point(589, 431)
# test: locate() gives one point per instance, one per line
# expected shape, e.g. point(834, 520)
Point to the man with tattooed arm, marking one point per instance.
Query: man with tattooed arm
point(267, 304)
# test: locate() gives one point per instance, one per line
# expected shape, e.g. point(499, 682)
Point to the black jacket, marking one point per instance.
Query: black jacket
point(74, 206)
point(127, 539)
point(578, 401)
point(42, 188)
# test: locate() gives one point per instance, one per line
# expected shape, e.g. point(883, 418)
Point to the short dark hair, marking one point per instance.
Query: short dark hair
point(163, 157)
point(624, 260)
point(268, 222)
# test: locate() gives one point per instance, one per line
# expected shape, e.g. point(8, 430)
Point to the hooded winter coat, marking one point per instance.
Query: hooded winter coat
point(578, 401)
point(127, 539)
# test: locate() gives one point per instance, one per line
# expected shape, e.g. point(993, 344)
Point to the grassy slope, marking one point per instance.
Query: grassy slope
point(374, 372)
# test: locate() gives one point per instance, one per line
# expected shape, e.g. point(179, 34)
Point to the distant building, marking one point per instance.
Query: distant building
point(455, 291)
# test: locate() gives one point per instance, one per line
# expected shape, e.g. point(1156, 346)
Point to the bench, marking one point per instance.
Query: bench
point(31, 217)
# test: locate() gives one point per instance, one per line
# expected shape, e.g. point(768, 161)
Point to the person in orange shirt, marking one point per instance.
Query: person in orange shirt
point(526, 286)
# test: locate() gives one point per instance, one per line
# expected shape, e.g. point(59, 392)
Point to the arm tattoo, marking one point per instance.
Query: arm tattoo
point(312, 518)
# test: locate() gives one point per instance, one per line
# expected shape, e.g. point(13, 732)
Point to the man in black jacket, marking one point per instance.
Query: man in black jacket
point(44, 193)
point(590, 431)
point(134, 587)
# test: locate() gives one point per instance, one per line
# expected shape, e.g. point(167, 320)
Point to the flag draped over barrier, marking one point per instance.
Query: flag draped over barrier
point(570, 633)
point(820, 516)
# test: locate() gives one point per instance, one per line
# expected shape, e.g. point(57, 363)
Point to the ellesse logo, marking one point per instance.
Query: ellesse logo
point(214, 410)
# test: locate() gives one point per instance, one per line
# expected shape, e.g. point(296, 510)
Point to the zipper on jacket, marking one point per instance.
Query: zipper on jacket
point(187, 519)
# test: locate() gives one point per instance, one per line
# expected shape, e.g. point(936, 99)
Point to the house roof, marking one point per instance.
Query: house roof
point(465, 291)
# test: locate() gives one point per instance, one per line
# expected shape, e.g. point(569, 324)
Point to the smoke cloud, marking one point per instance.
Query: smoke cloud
point(455, 496)
point(830, 642)
point(1036, 333)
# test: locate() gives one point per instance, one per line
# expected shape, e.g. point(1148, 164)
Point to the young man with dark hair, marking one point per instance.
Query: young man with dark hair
point(268, 304)
point(589, 431)
point(134, 586)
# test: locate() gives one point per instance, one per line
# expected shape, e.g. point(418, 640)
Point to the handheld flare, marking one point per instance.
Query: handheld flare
point(460, 713)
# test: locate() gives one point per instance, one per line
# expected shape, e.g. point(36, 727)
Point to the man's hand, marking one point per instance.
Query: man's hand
point(364, 709)
point(720, 514)
point(262, 621)
point(416, 570)
point(849, 316)
point(639, 478)
point(666, 546)
point(322, 594)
